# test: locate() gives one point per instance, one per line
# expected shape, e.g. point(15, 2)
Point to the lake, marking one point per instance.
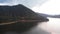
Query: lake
point(53, 25)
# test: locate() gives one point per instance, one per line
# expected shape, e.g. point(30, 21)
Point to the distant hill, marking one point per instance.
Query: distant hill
point(46, 15)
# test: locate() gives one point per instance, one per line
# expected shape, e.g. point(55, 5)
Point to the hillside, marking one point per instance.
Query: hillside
point(47, 15)
point(16, 12)
point(25, 17)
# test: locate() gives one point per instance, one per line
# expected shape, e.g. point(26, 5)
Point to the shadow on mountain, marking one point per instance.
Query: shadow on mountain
point(46, 15)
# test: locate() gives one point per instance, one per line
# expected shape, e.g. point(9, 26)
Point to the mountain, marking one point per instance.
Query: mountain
point(25, 17)
point(13, 13)
point(46, 15)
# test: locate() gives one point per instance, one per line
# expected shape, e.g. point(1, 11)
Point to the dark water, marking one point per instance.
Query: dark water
point(34, 30)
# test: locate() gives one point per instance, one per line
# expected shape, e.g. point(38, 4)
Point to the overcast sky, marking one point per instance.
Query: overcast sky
point(51, 7)
point(28, 3)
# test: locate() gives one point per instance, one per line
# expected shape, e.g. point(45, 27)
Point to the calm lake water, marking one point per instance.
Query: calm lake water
point(53, 25)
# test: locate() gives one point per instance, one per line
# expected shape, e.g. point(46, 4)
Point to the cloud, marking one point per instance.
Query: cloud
point(51, 7)
point(28, 3)
point(3, 1)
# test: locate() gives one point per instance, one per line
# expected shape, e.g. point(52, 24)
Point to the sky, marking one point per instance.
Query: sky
point(51, 7)
point(2, 1)
point(28, 3)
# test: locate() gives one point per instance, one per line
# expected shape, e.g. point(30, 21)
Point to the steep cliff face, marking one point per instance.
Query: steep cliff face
point(17, 13)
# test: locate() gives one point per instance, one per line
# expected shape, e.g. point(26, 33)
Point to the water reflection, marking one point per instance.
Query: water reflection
point(52, 26)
